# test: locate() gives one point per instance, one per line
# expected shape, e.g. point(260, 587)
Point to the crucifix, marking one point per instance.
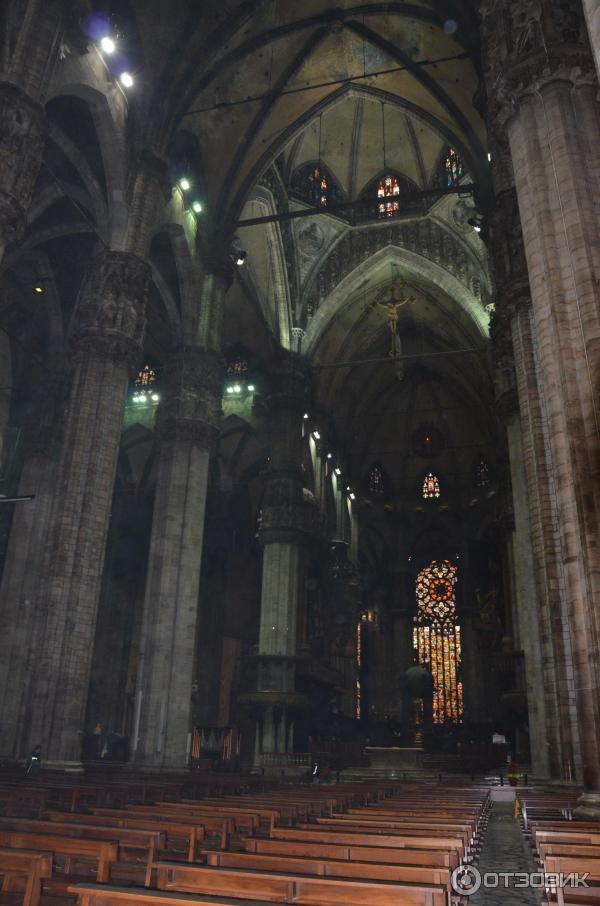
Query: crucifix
point(392, 305)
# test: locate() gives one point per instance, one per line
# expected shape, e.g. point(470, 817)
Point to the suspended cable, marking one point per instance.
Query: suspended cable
point(251, 99)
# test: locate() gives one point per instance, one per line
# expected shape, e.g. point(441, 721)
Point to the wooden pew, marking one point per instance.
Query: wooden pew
point(581, 865)
point(218, 824)
point(146, 842)
point(101, 895)
point(191, 834)
point(387, 827)
point(72, 849)
point(244, 819)
point(331, 868)
point(388, 841)
point(28, 866)
point(304, 890)
point(303, 848)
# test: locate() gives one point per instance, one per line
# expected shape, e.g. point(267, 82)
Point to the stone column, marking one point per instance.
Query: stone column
point(20, 578)
point(110, 323)
point(592, 16)
point(187, 427)
point(22, 140)
point(542, 89)
point(287, 522)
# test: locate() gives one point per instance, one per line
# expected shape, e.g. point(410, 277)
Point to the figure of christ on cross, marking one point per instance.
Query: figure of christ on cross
point(392, 305)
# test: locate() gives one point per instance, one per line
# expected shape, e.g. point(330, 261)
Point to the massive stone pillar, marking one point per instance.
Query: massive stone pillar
point(110, 322)
point(21, 575)
point(187, 427)
point(22, 139)
point(592, 15)
point(32, 36)
point(542, 90)
point(288, 520)
point(529, 610)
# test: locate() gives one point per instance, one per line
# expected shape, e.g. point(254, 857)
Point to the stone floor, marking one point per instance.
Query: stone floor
point(505, 849)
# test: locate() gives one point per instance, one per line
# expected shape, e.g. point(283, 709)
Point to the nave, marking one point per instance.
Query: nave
point(225, 839)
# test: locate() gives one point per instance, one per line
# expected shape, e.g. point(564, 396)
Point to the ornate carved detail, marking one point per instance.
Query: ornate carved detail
point(172, 429)
point(425, 237)
point(505, 380)
point(111, 309)
point(508, 255)
point(191, 406)
point(285, 522)
point(529, 43)
point(289, 382)
point(22, 139)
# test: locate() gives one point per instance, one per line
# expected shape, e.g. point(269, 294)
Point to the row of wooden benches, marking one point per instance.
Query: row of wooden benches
point(563, 846)
point(352, 844)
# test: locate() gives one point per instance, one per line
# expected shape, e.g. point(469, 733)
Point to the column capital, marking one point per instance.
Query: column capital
point(528, 44)
point(111, 308)
point(191, 406)
point(289, 520)
point(22, 140)
point(289, 382)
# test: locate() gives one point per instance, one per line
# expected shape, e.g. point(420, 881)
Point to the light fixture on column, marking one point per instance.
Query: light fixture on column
point(305, 416)
point(185, 184)
point(337, 471)
point(251, 388)
point(197, 207)
point(330, 456)
point(241, 257)
point(352, 495)
point(316, 435)
point(126, 80)
point(108, 45)
point(38, 289)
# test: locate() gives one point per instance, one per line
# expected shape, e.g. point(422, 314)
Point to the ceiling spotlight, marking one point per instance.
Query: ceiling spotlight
point(126, 80)
point(329, 455)
point(316, 435)
point(240, 257)
point(197, 207)
point(230, 390)
point(185, 184)
point(38, 289)
point(155, 397)
point(305, 415)
point(237, 388)
point(337, 470)
point(352, 496)
point(108, 45)
point(251, 388)
point(489, 157)
point(476, 223)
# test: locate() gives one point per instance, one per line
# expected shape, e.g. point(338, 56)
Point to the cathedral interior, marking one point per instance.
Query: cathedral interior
point(299, 382)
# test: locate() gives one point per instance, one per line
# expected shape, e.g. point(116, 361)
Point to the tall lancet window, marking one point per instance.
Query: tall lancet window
point(454, 167)
point(388, 197)
point(431, 487)
point(436, 637)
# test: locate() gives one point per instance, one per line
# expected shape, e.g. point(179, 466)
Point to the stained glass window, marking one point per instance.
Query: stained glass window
point(144, 385)
point(436, 637)
point(376, 482)
point(388, 197)
point(358, 701)
point(454, 167)
point(318, 186)
point(236, 365)
point(431, 487)
point(482, 474)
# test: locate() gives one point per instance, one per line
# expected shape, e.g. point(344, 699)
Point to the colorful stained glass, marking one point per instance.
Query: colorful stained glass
point(482, 474)
point(318, 186)
point(454, 167)
point(144, 386)
point(376, 482)
point(358, 697)
point(436, 637)
point(431, 487)
point(388, 197)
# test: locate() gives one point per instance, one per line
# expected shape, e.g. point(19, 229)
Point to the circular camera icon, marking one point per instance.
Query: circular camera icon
point(466, 880)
